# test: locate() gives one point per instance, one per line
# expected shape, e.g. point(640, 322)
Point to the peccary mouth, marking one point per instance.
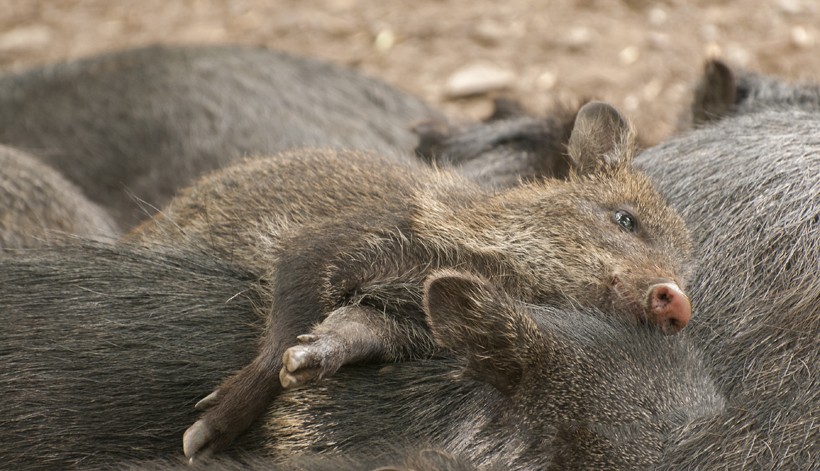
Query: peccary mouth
point(627, 305)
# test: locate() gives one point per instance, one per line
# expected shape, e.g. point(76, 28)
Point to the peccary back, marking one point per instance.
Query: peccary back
point(137, 125)
point(748, 186)
point(39, 207)
point(104, 351)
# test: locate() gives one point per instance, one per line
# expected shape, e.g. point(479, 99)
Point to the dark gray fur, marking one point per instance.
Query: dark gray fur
point(103, 364)
point(39, 207)
point(528, 388)
point(504, 150)
point(104, 351)
point(748, 185)
point(137, 125)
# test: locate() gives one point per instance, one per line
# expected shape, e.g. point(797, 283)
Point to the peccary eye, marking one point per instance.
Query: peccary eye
point(627, 221)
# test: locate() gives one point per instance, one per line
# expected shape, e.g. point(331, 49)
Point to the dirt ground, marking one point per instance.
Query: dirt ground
point(638, 54)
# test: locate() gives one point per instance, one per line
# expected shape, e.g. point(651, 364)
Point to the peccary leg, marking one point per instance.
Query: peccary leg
point(301, 297)
point(348, 335)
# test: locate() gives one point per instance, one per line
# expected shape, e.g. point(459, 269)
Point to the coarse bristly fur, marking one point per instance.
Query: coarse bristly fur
point(106, 348)
point(142, 123)
point(525, 387)
point(505, 149)
point(747, 181)
point(39, 207)
point(358, 231)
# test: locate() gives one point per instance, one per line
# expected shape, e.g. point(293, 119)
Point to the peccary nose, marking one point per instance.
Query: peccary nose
point(668, 307)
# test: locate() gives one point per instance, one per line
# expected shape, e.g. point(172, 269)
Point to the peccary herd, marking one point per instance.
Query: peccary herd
point(233, 258)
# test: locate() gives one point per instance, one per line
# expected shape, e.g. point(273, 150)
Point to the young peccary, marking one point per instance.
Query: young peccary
point(142, 123)
point(747, 181)
point(504, 150)
point(38, 206)
point(354, 230)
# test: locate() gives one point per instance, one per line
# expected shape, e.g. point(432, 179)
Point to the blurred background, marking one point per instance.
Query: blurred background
point(640, 55)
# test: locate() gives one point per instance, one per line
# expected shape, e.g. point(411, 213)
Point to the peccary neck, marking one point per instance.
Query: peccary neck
point(502, 233)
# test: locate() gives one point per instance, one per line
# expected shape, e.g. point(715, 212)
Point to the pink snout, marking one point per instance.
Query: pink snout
point(668, 307)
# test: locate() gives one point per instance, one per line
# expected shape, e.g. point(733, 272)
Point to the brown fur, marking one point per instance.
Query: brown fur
point(331, 229)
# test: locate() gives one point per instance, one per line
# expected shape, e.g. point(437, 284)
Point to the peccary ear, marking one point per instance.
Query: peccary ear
point(715, 93)
point(431, 133)
point(479, 323)
point(602, 138)
point(506, 108)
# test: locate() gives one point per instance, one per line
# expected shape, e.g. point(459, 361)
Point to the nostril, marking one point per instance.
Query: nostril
point(668, 307)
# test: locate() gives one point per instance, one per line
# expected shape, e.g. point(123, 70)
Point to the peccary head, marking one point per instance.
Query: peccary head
point(609, 238)
point(587, 389)
point(722, 92)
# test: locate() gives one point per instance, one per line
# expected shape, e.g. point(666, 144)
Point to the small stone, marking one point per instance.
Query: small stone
point(657, 16)
point(579, 38)
point(477, 79)
point(652, 89)
point(546, 81)
point(631, 103)
point(790, 7)
point(27, 37)
point(657, 41)
point(385, 40)
point(490, 33)
point(629, 55)
point(713, 51)
point(738, 55)
point(801, 37)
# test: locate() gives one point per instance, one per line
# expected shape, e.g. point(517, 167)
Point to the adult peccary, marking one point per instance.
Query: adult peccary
point(724, 92)
point(335, 229)
point(106, 348)
point(39, 207)
point(534, 388)
point(383, 457)
point(509, 147)
point(747, 181)
point(140, 124)
point(104, 351)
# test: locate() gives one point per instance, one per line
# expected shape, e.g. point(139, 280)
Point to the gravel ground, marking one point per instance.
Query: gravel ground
point(640, 55)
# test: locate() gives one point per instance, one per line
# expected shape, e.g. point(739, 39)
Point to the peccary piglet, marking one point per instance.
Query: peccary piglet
point(354, 230)
point(39, 207)
point(507, 148)
point(139, 124)
point(527, 387)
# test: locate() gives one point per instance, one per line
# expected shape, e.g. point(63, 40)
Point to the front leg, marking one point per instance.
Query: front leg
point(313, 275)
point(348, 335)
